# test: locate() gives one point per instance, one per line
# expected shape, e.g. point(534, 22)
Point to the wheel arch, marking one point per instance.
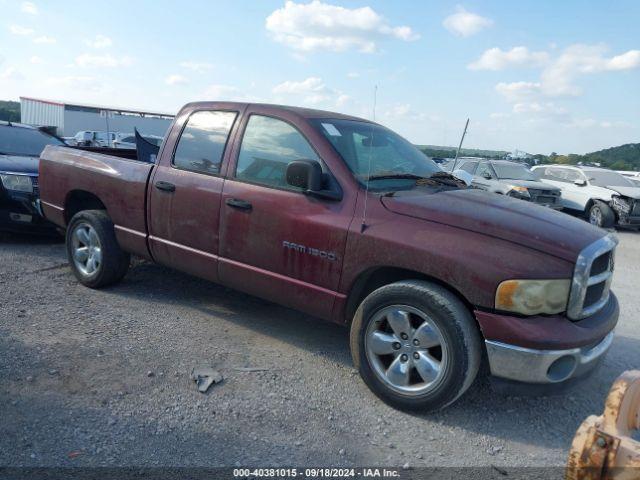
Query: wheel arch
point(376, 277)
point(79, 200)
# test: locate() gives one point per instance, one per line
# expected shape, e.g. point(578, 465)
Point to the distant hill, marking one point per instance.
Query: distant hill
point(9, 111)
point(624, 157)
point(448, 152)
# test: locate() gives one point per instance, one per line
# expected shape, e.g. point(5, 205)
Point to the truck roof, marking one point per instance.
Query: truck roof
point(301, 111)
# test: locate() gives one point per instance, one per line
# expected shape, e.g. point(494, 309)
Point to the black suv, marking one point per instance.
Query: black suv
point(20, 148)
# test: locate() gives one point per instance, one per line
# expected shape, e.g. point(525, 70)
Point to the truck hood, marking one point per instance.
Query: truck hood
point(510, 219)
point(631, 192)
point(19, 164)
point(533, 184)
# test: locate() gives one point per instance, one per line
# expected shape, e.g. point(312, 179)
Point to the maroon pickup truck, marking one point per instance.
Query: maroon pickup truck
point(343, 219)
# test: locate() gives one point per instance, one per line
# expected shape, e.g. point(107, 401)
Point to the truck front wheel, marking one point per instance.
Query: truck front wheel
point(416, 345)
point(95, 257)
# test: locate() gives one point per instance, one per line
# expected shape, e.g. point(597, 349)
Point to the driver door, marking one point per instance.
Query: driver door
point(275, 241)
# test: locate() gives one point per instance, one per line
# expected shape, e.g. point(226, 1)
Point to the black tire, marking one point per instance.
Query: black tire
point(114, 262)
point(601, 215)
point(457, 328)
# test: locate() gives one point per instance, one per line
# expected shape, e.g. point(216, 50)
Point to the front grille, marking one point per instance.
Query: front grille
point(592, 278)
point(36, 186)
point(543, 196)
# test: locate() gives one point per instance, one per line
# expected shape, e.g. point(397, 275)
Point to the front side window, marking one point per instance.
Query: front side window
point(203, 140)
point(268, 146)
point(483, 169)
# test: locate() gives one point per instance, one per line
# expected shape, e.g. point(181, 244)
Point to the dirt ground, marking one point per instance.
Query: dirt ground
point(101, 378)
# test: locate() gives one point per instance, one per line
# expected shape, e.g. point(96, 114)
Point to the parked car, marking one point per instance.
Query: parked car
point(90, 138)
point(345, 220)
point(512, 179)
point(20, 147)
point(604, 197)
point(128, 140)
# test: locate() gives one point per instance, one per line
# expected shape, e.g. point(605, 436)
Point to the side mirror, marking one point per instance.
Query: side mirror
point(487, 175)
point(307, 175)
point(580, 183)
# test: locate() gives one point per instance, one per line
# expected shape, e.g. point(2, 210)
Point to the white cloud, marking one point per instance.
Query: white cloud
point(353, 75)
point(29, 7)
point(558, 78)
point(518, 91)
point(548, 108)
point(100, 41)
point(44, 40)
point(20, 30)
point(11, 74)
point(102, 61)
point(199, 67)
point(309, 85)
point(36, 60)
point(311, 91)
point(222, 92)
point(318, 25)
point(76, 82)
point(497, 59)
point(176, 80)
point(464, 23)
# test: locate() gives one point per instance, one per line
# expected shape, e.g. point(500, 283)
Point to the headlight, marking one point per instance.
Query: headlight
point(532, 297)
point(620, 204)
point(17, 183)
point(518, 192)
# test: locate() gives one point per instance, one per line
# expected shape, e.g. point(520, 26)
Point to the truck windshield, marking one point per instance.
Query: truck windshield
point(608, 179)
point(24, 141)
point(376, 153)
point(507, 171)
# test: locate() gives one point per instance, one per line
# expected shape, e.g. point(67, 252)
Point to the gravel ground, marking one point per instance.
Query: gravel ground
point(101, 378)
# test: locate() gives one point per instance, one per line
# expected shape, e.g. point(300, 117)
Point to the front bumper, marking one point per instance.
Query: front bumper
point(547, 349)
point(19, 214)
point(544, 366)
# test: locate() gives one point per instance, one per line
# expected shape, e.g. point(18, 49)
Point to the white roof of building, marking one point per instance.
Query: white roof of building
point(98, 107)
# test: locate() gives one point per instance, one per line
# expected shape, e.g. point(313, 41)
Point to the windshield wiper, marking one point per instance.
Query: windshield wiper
point(401, 176)
point(444, 178)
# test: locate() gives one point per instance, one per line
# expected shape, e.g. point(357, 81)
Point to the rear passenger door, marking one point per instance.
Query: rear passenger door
point(185, 191)
point(277, 242)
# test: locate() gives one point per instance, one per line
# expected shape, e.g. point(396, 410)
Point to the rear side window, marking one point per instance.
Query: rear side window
point(268, 146)
point(484, 168)
point(202, 142)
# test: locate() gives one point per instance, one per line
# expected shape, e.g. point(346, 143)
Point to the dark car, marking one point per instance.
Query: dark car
point(20, 147)
point(512, 179)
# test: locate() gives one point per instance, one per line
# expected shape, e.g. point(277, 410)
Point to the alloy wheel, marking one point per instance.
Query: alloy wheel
point(406, 350)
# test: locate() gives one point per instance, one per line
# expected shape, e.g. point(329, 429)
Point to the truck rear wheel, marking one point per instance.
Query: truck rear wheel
point(601, 215)
point(416, 345)
point(95, 257)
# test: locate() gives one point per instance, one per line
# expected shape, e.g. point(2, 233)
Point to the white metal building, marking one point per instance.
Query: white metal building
point(70, 118)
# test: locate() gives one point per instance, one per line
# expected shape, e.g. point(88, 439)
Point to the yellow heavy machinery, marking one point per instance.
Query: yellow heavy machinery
point(603, 447)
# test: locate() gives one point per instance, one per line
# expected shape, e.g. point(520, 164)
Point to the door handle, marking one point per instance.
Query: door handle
point(165, 186)
point(237, 203)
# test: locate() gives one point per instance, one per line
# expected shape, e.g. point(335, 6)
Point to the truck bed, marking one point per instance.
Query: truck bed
point(117, 182)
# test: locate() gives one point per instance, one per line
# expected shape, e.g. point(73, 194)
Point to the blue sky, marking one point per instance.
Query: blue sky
point(539, 76)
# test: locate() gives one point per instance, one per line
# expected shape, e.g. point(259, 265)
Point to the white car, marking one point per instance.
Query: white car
point(603, 196)
point(90, 138)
